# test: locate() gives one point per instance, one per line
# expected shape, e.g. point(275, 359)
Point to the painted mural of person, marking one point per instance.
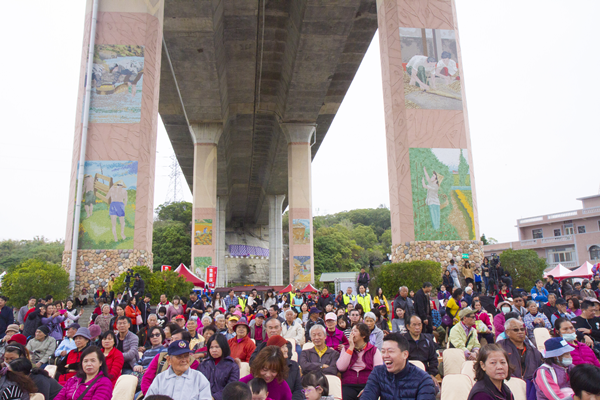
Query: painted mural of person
point(90, 197)
point(446, 67)
point(117, 196)
point(422, 71)
point(433, 200)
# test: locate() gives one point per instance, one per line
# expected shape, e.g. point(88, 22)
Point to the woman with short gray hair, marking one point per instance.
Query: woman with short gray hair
point(376, 336)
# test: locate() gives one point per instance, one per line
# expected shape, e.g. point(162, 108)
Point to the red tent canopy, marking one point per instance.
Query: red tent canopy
point(189, 276)
point(585, 271)
point(287, 289)
point(309, 289)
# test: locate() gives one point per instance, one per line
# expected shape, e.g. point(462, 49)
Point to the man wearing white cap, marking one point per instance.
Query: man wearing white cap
point(552, 377)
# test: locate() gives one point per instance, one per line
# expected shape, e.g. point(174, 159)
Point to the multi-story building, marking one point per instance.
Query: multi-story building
point(569, 238)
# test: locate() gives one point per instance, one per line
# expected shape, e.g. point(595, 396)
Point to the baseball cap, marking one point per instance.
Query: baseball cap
point(234, 318)
point(260, 315)
point(330, 317)
point(180, 317)
point(315, 310)
point(178, 347)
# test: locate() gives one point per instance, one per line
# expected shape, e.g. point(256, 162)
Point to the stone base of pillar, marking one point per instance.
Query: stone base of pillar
point(95, 266)
point(438, 250)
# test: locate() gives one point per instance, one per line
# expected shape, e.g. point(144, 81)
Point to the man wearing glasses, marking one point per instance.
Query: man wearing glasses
point(464, 335)
point(522, 354)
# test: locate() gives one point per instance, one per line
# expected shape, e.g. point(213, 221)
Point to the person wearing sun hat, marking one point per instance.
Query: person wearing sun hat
point(551, 379)
point(180, 382)
point(241, 345)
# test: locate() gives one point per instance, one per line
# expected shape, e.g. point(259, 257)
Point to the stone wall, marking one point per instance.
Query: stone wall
point(438, 250)
point(95, 266)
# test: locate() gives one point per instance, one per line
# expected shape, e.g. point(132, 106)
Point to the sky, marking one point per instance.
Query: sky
point(532, 115)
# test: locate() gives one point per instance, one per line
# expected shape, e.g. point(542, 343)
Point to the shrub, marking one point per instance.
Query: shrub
point(410, 274)
point(35, 278)
point(157, 283)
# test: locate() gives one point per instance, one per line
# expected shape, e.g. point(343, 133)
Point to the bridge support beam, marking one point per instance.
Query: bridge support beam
point(117, 208)
point(433, 202)
point(275, 240)
point(204, 214)
point(301, 258)
point(220, 236)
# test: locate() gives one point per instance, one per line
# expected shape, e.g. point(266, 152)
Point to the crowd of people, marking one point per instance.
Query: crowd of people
point(288, 346)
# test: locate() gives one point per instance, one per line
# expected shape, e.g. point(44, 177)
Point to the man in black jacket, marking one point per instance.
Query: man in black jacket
point(194, 304)
point(325, 299)
point(421, 346)
point(423, 307)
point(551, 286)
point(138, 287)
point(363, 278)
point(404, 302)
point(145, 308)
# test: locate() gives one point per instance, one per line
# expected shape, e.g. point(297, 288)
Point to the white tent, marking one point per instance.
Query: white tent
point(558, 272)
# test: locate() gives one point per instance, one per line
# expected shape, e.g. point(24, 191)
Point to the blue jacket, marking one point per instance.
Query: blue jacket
point(539, 296)
point(410, 383)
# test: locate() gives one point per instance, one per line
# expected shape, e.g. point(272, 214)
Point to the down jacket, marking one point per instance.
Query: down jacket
point(410, 383)
point(582, 354)
point(102, 389)
point(219, 375)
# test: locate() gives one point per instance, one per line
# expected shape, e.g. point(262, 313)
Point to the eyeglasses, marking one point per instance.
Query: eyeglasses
point(304, 391)
point(517, 329)
point(156, 335)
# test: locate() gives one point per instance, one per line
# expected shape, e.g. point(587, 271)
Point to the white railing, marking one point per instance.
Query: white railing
point(557, 239)
point(592, 210)
point(563, 214)
point(528, 242)
point(566, 264)
point(532, 219)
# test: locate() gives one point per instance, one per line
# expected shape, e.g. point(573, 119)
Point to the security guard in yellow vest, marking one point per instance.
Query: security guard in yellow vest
point(349, 297)
point(364, 299)
point(242, 300)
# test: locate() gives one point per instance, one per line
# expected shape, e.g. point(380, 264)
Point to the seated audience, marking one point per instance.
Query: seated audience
point(491, 369)
point(219, 367)
point(320, 357)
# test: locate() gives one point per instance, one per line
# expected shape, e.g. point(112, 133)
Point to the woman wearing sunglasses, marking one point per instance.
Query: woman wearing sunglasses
point(156, 337)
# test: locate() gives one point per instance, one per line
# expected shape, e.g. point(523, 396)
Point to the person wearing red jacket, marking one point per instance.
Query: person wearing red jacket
point(69, 365)
point(114, 358)
point(241, 345)
point(334, 337)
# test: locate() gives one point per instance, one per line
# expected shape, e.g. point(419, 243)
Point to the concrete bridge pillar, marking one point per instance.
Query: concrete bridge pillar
point(117, 209)
point(275, 240)
point(433, 202)
point(220, 236)
point(301, 258)
point(204, 215)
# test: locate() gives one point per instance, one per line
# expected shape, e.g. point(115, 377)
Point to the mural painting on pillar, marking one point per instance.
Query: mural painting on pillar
point(117, 81)
point(441, 194)
point(108, 205)
point(301, 231)
point(203, 232)
point(431, 76)
point(302, 269)
point(200, 265)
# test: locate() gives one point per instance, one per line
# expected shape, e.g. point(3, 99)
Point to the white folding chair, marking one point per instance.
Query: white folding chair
point(51, 369)
point(125, 387)
point(467, 369)
point(36, 396)
point(456, 387)
point(308, 345)
point(541, 335)
point(453, 361)
point(518, 387)
point(335, 386)
point(244, 369)
point(417, 364)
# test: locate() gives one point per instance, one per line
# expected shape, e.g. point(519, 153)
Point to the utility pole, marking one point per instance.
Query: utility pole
point(174, 194)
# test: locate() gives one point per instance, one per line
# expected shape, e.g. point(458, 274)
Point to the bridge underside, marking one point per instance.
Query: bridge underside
point(252, 65)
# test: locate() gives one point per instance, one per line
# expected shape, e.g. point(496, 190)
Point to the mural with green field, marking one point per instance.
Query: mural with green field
point(441, 194)
point(108, 205)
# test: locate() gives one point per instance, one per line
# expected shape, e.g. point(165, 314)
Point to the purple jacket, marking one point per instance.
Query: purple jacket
point(53, 323)
point(583, 355)
point(334, 339)
point(219, 375)
point(102, 389)
point(499, 321)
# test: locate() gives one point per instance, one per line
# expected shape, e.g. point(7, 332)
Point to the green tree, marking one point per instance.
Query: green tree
point(335, 251)
point(524, 266)
point(35, 278)
point(484, 240)
point(411, 274)
point(386, 240)
point(364, 236)
point(13, 252)
point(157, 283)
point(171, 245)
point(463, 170)
point(180, 211)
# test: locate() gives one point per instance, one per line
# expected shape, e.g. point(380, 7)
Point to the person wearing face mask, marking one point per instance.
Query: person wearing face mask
point(581, 354)
point(551, 379)
point(500, 319)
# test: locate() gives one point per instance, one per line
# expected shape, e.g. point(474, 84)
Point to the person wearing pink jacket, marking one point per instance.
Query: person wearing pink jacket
point(91, 380)
point(581, 353)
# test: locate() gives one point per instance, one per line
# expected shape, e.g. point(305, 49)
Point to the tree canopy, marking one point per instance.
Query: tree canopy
point(35, 278)
point(14, 252)
point(524, 266)
point(180, 211)
point(157, 283)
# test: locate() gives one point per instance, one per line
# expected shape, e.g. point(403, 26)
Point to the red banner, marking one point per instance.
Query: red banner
point(165, 268)
point(211, 277)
